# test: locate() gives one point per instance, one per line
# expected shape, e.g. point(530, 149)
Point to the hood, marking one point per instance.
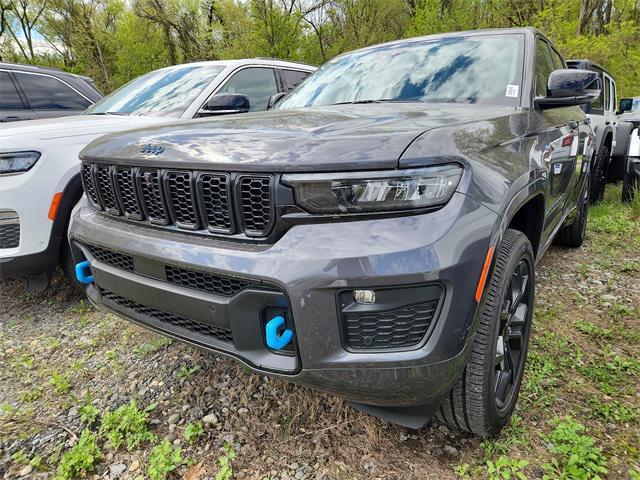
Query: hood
point(339, 137)
point(76, 128)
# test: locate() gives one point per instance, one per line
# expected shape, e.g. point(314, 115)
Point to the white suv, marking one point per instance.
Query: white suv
point(39, 167)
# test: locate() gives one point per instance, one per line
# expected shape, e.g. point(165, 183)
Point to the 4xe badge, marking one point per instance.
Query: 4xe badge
point(152, 149)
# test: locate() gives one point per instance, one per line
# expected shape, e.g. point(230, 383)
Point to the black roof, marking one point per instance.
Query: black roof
point(83, 84)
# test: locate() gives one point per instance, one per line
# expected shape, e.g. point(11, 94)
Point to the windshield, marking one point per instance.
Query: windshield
point(167, 92)
point(475, 69)
point(630, 105)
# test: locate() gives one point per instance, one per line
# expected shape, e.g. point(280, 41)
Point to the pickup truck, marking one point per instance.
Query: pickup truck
point(629, 120)
point(374, 236)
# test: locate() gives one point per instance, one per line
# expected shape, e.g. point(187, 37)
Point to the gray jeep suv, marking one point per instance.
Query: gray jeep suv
point(374, 236)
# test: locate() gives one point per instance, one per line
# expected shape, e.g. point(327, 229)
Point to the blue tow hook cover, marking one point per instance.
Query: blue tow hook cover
point(83, 272)
point(276, 340)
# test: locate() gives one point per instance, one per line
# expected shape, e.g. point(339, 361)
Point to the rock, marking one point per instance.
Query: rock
point(73, 412)
point(173, 419)
point(211, 419)
point(117, 469)
point(135, 465)
point(450, 451)
point(171, 437)
point(26, 470)
point(242, 411)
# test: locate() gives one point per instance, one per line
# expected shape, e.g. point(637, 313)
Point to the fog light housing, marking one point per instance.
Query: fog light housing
point(364, 296)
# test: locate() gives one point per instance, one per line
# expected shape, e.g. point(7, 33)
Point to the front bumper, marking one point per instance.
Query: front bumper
point(305, 273)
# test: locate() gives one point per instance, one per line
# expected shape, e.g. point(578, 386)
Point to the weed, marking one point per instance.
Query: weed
point(185, 372)
point(88, 411)
point(576, 455)
point(60, 383)
point(81, 308)
point(126, 424)
point(612, 410)
point(592, 330)
point(20, 457)
point(79, 459)
point(225, 462)
point(152, 346)
point(505, 468)
point(32, 395)
point(192, 431)
point(634, 473)
point(164, 458)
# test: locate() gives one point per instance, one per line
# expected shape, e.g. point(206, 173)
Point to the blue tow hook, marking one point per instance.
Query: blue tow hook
point(277, 340)
point(83, 272)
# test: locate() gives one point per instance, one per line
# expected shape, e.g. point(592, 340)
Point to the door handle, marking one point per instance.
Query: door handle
point(9, 119)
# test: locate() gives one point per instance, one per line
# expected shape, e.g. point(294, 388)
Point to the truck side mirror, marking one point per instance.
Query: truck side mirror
point(568, 87)
point(225, 104)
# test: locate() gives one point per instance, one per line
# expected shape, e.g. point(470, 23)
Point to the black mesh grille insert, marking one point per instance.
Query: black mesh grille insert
point(152, 196)
point(206, 282)
point(256, 206)
point(89, 186)
point(179, 193)
point(214, 192)
point(204, 202)
point(9, 235)
point(403, 327)
point(201, 328)
point(105, 188)
point(109, 257)
point(125, 185)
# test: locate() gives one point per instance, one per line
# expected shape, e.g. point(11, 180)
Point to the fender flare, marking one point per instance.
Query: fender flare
point(601, 133)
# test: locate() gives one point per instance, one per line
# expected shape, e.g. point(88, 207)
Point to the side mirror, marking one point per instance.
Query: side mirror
point(274, 99)
point(225, 104)
point(568, 87)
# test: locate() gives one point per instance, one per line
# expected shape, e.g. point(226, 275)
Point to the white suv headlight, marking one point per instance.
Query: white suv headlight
point(382, 191)
point(16, 162)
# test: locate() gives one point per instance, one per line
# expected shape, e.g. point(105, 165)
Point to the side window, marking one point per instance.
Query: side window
point(544, 67)
point(48, 93)
point(9, 97)
point(293, 78)
point(614, 101)
point(596, 106)
point(256, 83)
point(607, 94)
point(557, 59)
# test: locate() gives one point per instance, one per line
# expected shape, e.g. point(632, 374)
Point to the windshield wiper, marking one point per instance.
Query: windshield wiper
point(109, 113)
point(380, 100)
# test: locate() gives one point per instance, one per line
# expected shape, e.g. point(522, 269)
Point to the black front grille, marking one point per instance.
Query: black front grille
point(181, 199)
point(222, 334)
point(256, 208)
point(89, 186)
point(115, 259)
point(206, 202)
point(125, 188)
point(400, 328)
point(206, 282)
point(9, 235)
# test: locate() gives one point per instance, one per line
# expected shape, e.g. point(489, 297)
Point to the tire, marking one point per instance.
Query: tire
point(630, 186)
point(573, 235)
point(599, 175)
point(68, 267)
point(474, 404)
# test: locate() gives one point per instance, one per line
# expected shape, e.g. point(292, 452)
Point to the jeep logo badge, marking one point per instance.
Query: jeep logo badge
point(152, 149)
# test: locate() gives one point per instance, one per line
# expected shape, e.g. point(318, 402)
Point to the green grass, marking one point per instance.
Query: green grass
point(126, 425)
point(163, 460)
point(81, 458)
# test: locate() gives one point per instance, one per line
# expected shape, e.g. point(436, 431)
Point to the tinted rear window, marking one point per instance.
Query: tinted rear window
point(9, 97)
point(48, 93)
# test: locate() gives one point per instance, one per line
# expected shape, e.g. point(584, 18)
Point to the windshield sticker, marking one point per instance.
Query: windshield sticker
point(512, 91)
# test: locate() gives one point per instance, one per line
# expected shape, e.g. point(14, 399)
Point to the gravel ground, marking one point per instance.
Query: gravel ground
point(56, 351)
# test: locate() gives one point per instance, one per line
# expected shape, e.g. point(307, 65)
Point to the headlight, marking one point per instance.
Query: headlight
point(381, 191)
point(17, 161)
